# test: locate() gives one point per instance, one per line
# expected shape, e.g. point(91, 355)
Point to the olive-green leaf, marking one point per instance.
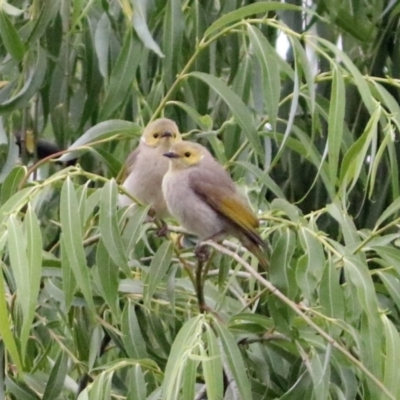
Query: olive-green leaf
point(11, 39)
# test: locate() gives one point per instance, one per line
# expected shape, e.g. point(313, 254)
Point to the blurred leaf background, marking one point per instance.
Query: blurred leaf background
point(299, 101)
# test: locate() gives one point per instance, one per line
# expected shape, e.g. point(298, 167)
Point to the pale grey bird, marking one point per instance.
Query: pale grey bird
point(146, 166)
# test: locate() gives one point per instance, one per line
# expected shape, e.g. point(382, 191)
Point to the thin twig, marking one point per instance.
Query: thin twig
point(276, 292)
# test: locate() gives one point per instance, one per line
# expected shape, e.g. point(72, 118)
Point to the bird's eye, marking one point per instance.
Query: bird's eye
point(155, 135)
point(187, 154)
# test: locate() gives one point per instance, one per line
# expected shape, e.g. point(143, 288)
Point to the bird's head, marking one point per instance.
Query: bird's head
point(186, 154)
point(161, 133)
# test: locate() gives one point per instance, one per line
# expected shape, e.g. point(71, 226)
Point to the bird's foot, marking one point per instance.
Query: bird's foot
point(202, 253)
point(162, 230)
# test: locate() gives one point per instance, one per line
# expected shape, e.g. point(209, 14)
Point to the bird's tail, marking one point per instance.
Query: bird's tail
point(259, 253)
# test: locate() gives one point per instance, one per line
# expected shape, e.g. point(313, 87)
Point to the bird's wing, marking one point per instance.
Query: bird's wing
point(222, 196)
point(130, 161)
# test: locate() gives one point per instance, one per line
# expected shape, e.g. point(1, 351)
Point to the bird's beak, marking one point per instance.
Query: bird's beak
point(166, 134)
point(171, 154)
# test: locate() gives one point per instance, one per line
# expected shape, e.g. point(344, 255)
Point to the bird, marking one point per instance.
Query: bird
point(202, 196)
point(146, 166)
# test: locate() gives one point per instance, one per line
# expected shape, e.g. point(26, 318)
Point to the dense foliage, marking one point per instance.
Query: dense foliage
point(298, 102)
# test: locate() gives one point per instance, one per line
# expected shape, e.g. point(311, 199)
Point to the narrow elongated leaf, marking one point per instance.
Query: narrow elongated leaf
point(137, 384)
point(101, 389)
point(69, 281)
point(32, 84)
point(392, 285)
point(19, 262)
point(354, 159)
point(140, 24)
point(236, 105)
point(189, 379)
point(98, 132)
point(102, 44)
point(282, 275)
point(183, 345)
point(46, 17)
point(109, 227)
point(106, 272)
point(212, 367)
point(158, 269)
point(11, 183)
point(73, 240)
point(134, 225)
point(357, 273)
point(243, 12)
point(132, 337)
point(172, 39)
point(392, 209)
point(10, 37)
point(392, 350)
point(310, 272)
point(331, 293)
point(335, 124)
point(270, 72)
point(5, 327)
point(15, 202)
point(57, 377)
point(34, 273)
point(11, 160)
point(234, 360)
point(359, 80)
point(122, 76)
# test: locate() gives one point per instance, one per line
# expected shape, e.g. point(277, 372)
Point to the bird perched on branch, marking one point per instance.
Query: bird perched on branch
point(146, 166)
point(203, 197)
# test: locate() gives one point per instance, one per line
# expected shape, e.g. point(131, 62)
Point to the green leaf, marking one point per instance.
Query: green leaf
point(133, 227)
point(236, 105)
point(101, 389)
point(158, 269)
point(212, 367)
point(11, 10)
point(392, 354)
point(5, 327)
point(100, 131)
point(68, 281)
point(57, 376)
point(204, 122)
point(358, 276)
point(172, 39)
point(335, 123)
point(135, 345)
point(34, 81)
point(19, 263)
point(109, 229)
point(102, 44)
point(73, 240)
point(243, 12)
point(136, 384)
point(234, 360)
point(47, 15)
point(12, 157)
point(34, 273)
point(11, 39)
point(184, 343)
point(141, 27)
point(270, 72)
point(309, 273)
point(331, 293)
point(11, 183)
point(122, 76)
point(393, 208)
point(106, 276)
point(354, 159)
